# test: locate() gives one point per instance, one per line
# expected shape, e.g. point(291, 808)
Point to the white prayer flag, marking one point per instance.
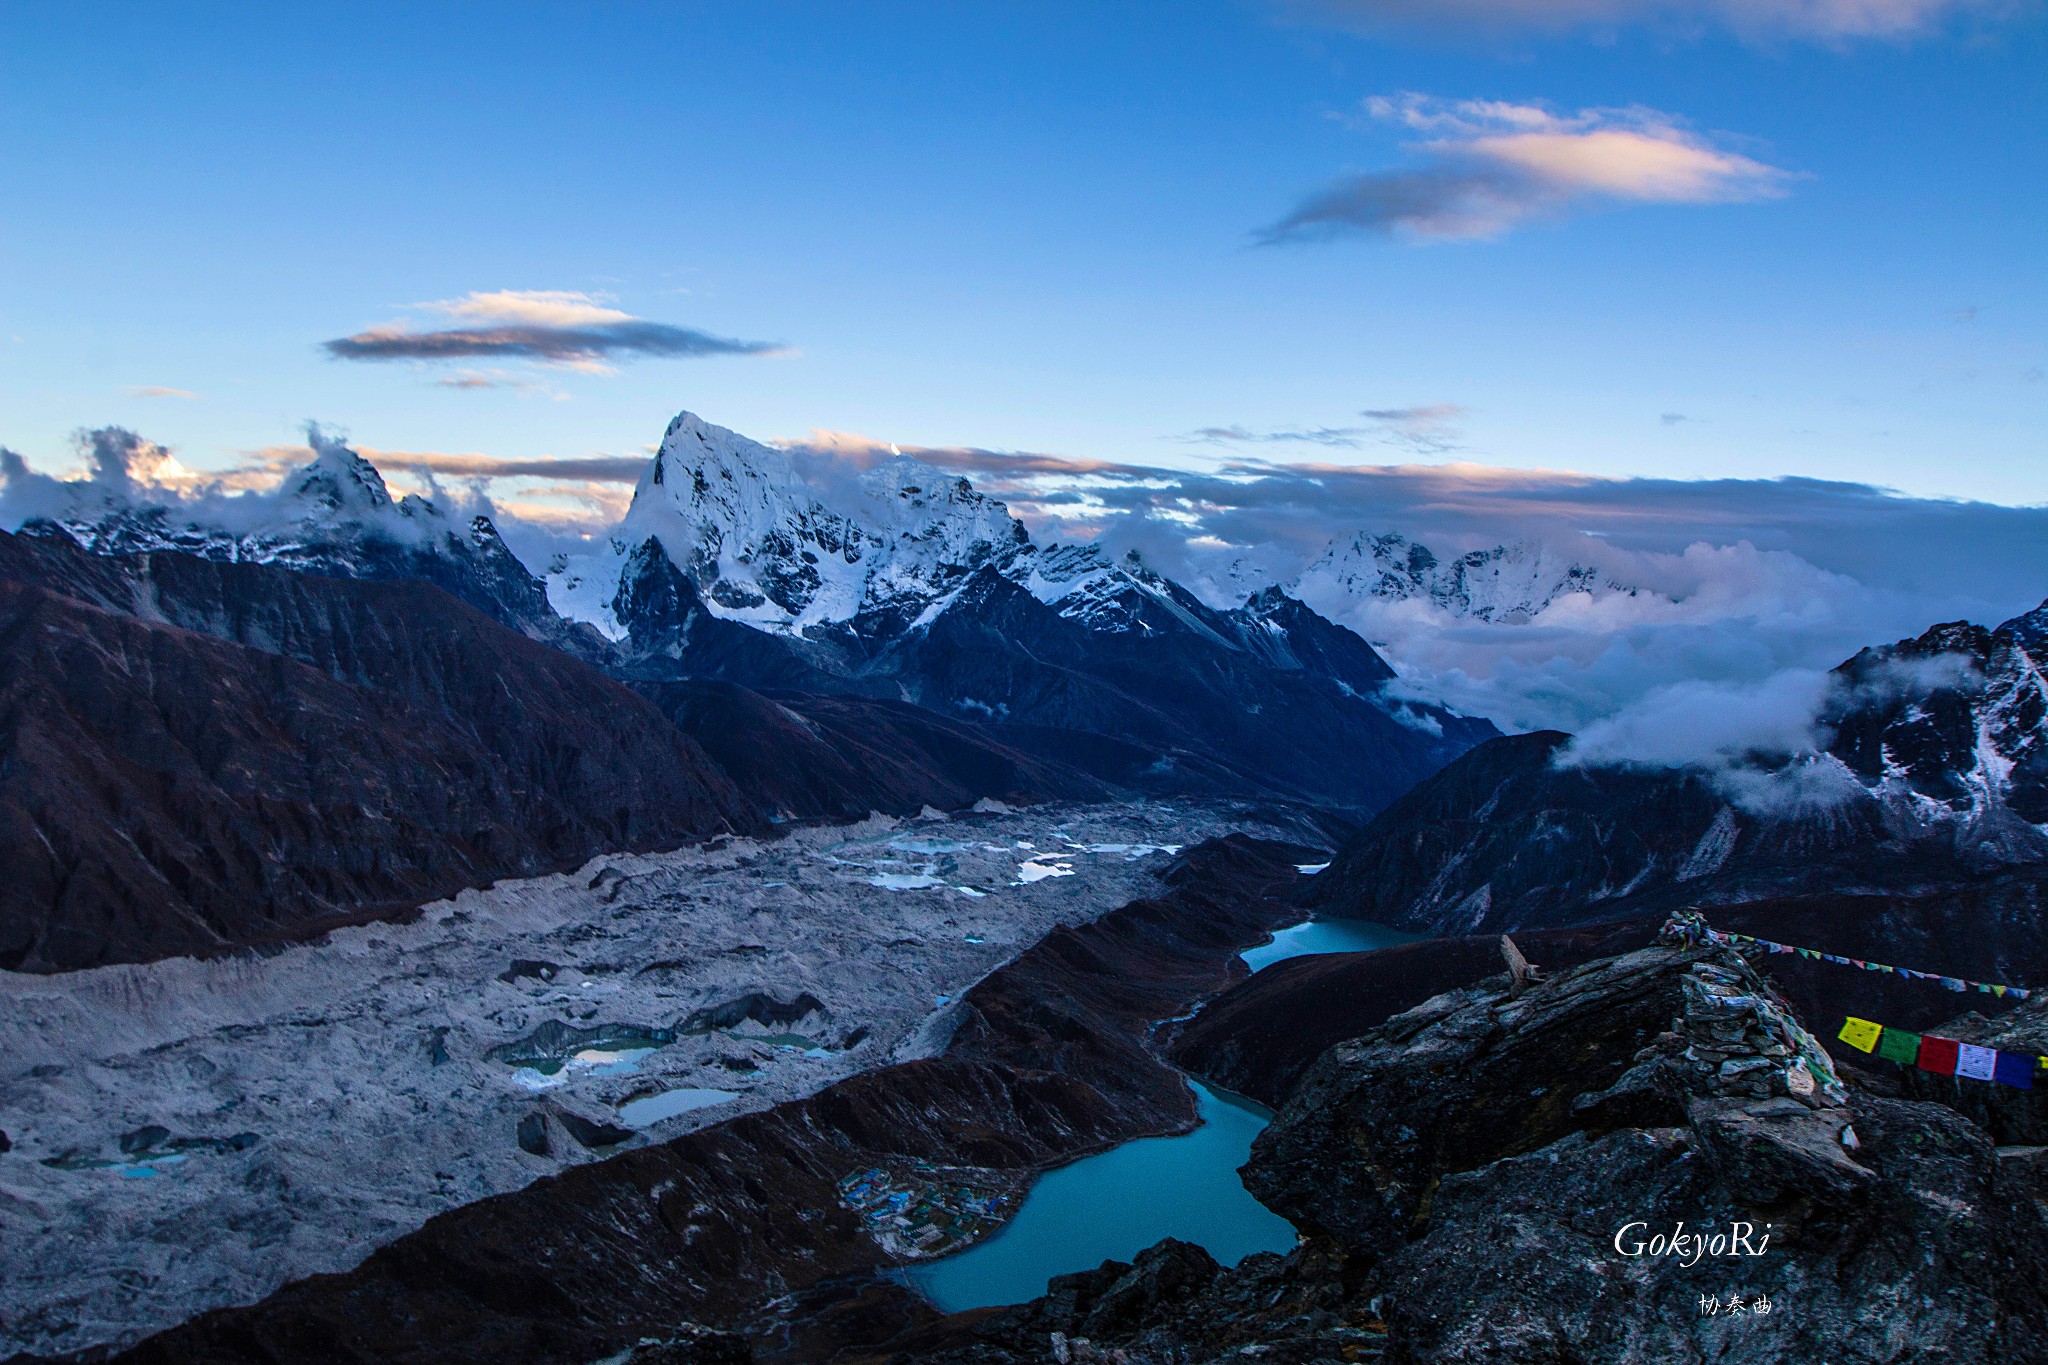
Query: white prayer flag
point(1976, 1062)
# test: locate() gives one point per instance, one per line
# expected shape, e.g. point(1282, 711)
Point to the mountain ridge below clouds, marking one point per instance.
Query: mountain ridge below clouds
point(294, 726)
point(1932, 773)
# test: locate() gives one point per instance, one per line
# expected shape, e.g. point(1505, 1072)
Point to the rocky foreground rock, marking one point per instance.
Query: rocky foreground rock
point(1623, 1163)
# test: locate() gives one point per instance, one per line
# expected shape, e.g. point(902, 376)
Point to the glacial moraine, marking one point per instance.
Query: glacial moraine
point(502, 1035)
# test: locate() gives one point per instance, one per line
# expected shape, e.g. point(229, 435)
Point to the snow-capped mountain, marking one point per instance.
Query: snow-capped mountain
point(888, 550)
point(903, 582)
point(332, 516)
point(1504, 585)
point(766, 548)
point(1952, 725)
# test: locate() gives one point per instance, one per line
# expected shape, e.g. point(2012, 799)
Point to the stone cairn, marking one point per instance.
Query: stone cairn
point(1740, 1036)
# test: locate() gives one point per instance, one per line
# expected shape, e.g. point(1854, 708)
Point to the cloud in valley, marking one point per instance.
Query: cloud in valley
point(1822, 20)
point(551, 326)
point(1484, 167)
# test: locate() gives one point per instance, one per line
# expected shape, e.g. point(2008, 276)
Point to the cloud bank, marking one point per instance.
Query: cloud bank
point(1487, 166)
point(1822, 20)
point(558, 327)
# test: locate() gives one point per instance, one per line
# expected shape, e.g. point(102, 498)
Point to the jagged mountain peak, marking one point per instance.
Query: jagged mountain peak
point(341, 481)
point(2029, 629)
point(767, 547)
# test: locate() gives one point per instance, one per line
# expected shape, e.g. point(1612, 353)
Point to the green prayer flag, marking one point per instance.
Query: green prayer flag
point(1897, 1045)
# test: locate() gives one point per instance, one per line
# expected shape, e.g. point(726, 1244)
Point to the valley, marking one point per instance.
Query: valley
point(310, 1105)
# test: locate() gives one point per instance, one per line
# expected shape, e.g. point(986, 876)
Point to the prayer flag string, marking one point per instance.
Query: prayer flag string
point(1952, 983)
point(1942, 1056)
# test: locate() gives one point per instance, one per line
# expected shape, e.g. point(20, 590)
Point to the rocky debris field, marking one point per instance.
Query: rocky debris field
point(189, 1134)
point(1624, 1163)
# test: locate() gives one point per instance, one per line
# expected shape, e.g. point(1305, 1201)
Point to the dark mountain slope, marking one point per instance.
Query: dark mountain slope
point(1270, 699)
point(164, 791)
point(797, 754)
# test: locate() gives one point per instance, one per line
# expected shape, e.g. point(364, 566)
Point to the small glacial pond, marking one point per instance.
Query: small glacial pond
point(1325, 936)
point(1114, 1205)
point(669, 1103)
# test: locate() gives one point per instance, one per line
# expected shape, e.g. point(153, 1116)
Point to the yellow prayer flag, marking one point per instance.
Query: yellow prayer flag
point(1860, 1034)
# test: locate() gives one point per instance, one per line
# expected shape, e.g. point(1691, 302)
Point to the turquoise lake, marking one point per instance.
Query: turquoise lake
point(1113, 1205)
point(1325, 936)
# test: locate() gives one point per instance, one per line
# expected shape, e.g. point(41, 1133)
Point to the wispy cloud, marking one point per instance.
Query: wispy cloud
point(624, 469)
point(158, 391)
point(1236, 435)
point(551, 326)
point(1487, 166)
point(1822, 20)
point(1427, 429)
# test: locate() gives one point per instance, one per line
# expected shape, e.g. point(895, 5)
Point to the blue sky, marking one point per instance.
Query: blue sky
point(1037, 227)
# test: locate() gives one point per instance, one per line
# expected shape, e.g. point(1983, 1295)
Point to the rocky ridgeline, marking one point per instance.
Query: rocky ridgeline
point(1592, 1169)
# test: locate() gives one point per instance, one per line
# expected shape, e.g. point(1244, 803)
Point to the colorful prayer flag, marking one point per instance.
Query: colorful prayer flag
point(1897, 1045)
point(2015, 1070)
point(1976, 1063)
point(1938, 1055)
point(1860, 1034)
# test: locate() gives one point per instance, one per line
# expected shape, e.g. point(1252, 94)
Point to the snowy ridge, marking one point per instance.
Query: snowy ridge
point(1124, 597)
point(1504, 585)
point(320, 511)
point(334, 515)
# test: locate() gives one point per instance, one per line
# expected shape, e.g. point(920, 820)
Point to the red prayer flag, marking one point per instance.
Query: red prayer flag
point(1938, 1055)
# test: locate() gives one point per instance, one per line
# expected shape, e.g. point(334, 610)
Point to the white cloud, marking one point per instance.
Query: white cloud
point(1710, 724)
point(561, 328)
point(1492, 165)
point(1823, 20)
point(537, 307)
